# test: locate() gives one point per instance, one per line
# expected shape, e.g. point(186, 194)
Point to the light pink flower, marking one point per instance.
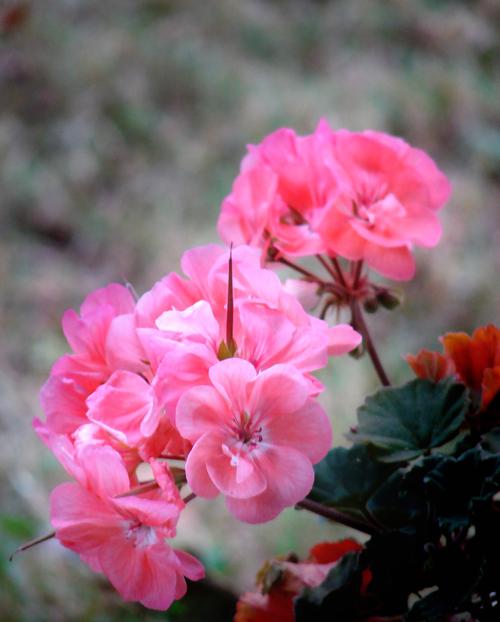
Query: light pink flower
point(388, 196)
point(256, 437)
point(124, 537)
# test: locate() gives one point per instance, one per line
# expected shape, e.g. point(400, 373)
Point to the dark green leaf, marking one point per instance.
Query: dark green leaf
point(407, 421)
point(345, 478)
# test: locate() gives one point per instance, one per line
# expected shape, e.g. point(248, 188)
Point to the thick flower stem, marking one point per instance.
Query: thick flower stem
point(335, 515)
point(360, 324)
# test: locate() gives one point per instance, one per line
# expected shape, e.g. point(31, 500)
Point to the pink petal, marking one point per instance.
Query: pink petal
point(147, 575)
point(196, 466)
point(114, 295)
point(230, 378)
point(195, 322)
point(307, 430)
point(278, 390)
point(235, 474)
point(125, 406)
point(394, 263)
point(342, 339)
point(201, 410)
point(123, 348)
point(290, 478)
point(189, 566)
point(105, 470)
point(82, 521)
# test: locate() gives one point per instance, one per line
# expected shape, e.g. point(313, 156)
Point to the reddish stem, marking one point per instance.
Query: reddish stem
point(310, 275)
point(338, 270)
point(359, 323)
point(337, 516)
point(31, 543)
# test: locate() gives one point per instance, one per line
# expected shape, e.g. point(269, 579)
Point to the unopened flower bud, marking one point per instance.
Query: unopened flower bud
point(389, 298)
point(370, 305)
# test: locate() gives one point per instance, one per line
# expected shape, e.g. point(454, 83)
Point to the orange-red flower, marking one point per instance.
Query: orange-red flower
point(430, 365)
point(475, 360)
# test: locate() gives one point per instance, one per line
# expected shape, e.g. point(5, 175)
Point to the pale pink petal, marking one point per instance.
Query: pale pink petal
point(342, 339)
point(201, 410)
point(235, 473)
point(195, 322)
point(230, 378)
point(307, 430)
point(278, 390)
point(290, 478)
point(196, 465)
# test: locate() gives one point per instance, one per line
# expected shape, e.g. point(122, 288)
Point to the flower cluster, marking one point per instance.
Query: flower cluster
point(215, 370)
point(206, 381)
point(359, 195)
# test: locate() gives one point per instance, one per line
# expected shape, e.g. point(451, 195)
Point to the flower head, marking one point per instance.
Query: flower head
point(255, 437)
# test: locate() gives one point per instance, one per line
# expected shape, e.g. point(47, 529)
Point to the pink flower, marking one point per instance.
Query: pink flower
point(87, 333)
point(124, 537)
point(388, 196)
point(256, 437)
point(126, 407)
point(270, 325)
point(282, 188)
point(103, 338)
point(364, 196)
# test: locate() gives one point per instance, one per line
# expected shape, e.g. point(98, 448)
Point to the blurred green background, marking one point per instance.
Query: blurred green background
point(122, 124)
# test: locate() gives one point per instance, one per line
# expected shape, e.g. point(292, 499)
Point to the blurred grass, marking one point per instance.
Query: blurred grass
point(121, 128)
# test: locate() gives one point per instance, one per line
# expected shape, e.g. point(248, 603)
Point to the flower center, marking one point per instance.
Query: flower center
point(141, 535)
point(245, 430)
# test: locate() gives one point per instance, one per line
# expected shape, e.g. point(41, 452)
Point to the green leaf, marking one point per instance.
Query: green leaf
point(404, 422)
point(345, 478)
point(401, 500)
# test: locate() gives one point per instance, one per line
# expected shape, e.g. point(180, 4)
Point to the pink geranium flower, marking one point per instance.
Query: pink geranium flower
point(270, 325)
point(388, 196)
point(364, 196)
point(256, 437)
point(282, 188)
point(124, 537)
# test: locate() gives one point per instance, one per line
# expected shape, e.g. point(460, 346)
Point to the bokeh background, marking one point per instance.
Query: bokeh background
point(122, 124)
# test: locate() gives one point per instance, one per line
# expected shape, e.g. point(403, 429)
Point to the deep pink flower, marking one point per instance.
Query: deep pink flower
point(124, 537)
point(256, 437)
